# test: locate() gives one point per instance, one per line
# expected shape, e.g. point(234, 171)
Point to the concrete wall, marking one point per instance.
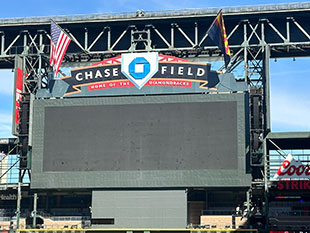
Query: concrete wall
point(141, 209)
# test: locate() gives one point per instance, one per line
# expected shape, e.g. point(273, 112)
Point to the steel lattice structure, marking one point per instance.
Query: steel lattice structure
point(255, 34)
point(250, 30)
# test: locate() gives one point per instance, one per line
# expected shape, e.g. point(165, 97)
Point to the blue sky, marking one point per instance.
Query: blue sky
point(290, 80)
point(18, 8)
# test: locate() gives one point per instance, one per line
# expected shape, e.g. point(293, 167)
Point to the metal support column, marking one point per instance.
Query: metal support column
point(109, 39)
point(86, 39)
point(172, 35)
point(2, 42)
point(34, 220)
point(19, 197)
point(25, 52)
point(248, 203)
point(245, 52)
point(266, 183)
point(266, 80)
point(40, 59)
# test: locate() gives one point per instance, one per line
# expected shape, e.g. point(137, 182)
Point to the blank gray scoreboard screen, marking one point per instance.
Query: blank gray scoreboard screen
point(166, 136)
point(163, 141)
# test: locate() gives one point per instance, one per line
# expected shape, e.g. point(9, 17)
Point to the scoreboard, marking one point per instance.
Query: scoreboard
point(186, 140)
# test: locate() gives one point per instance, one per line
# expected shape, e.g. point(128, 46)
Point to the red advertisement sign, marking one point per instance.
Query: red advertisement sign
point(142, 70)
point(293, 185)
point(18, 91)
point(292, 169)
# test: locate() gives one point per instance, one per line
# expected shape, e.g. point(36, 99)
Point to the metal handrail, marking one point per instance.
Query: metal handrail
point(290, 213)
point(69, 218)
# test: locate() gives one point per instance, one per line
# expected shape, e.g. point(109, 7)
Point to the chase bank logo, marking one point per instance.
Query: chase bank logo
point(139, 67)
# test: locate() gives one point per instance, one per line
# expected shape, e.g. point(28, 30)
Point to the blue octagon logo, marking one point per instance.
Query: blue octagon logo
point(139, 68)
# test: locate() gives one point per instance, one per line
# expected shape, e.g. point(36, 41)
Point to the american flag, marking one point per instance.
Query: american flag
point(59, 45)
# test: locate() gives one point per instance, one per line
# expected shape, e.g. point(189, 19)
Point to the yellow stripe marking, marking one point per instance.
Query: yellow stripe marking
point(138, 229)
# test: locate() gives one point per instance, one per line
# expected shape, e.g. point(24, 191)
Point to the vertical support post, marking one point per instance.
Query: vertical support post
point(41, 48)
point(40, 41)
point(248, 202)
point(19, 197)
point(25, 43)
point(39, 71)
point(265, 165)
point(262, 41)
point(109, 39)
point(132, 41)
point(288, 37)
point(233, 221)
point(172, 36)
point(86, 39)
point(149, 42)
point(196, 34)
point(266, 177)
point(34, 220)
point(245, 52)
point(2, 42)
point(266, 89)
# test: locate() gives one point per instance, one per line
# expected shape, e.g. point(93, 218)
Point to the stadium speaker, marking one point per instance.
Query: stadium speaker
point(23, 126)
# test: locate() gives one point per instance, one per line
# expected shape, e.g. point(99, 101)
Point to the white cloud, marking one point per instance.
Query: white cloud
point(6, 82)
point(290, 112)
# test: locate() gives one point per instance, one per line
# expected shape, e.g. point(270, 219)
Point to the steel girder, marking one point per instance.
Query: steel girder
point(287, 34)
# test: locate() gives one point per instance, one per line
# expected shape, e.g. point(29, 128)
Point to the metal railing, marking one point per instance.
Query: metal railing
point(5, 219)
point(69, 218)
point(133, 230)
point(31, 50)
point(291, 213)
point(218, 212)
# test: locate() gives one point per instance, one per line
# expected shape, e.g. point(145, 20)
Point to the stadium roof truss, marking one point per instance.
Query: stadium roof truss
point(255, 34)
point(251, 32)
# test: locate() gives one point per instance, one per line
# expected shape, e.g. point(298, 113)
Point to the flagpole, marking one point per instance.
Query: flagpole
point(207, 32)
